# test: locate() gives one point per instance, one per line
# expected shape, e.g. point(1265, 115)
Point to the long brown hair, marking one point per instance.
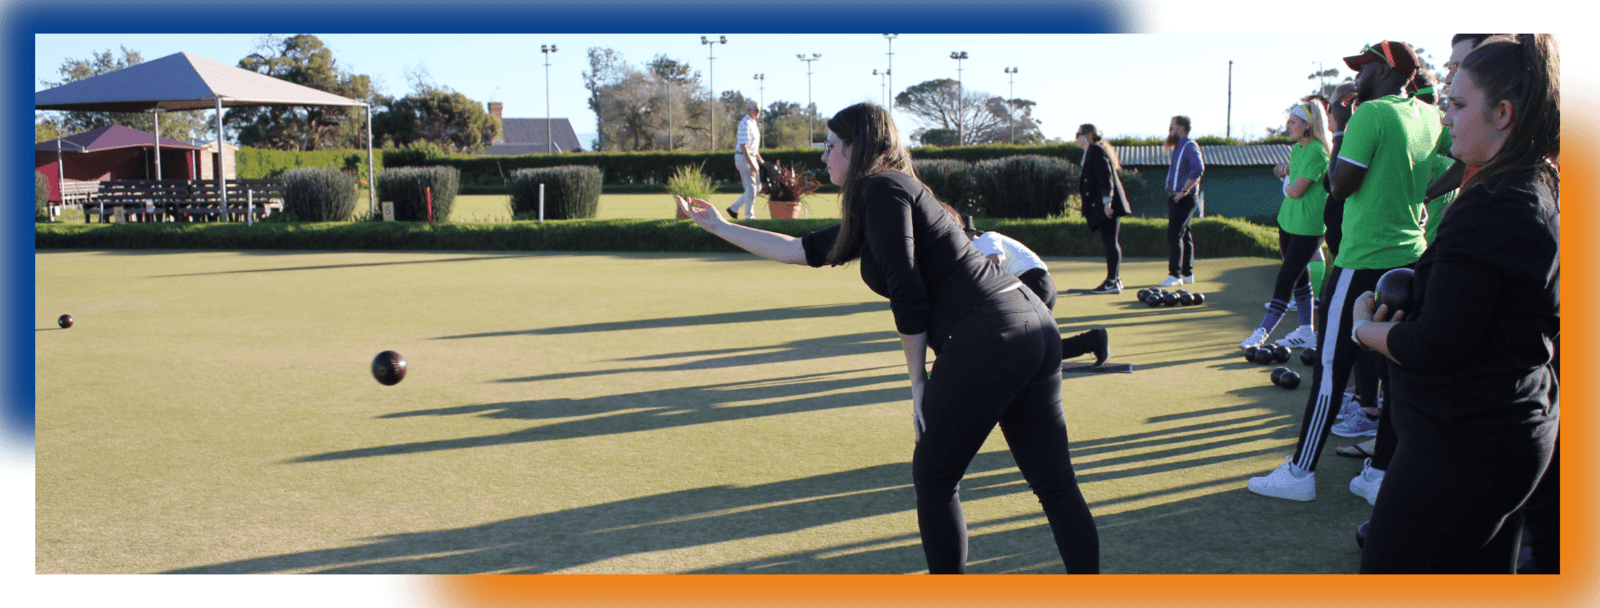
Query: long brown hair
point(1098, 139)
point(1525, 70)
point(874, 148)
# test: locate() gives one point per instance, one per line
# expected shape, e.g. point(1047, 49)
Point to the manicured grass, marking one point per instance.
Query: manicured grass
point(214, 412)
point(497, 207)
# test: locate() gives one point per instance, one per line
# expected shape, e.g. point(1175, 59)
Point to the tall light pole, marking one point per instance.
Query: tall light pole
point(712, 70)
point(890, 71)
point(549, 141)
point(961, 98)
point(761, 84)
point(881, 91)
point(810, 135)
point(1011, 75)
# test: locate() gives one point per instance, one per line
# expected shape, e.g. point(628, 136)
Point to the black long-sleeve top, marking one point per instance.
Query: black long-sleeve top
point(917, 256)
point(1474, 357)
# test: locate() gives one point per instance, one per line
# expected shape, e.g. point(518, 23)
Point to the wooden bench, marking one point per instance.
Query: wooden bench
point(184, 200)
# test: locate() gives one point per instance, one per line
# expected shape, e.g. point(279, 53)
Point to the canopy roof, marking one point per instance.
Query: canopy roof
point(181, 82)
point(108, 138)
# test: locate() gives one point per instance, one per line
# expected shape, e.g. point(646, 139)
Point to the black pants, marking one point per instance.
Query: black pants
point(1333, 223)
point(1000, 365)
point(1038, 280)
point(1294, 279)
point(1110, 237)
point(1180, 239)
point(1452, 509)
point(1336, 357)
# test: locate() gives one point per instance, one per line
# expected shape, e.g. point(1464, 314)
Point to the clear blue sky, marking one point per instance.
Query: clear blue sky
point(1125, 83)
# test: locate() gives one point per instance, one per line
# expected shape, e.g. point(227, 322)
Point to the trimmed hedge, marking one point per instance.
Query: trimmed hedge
point(571, 192)
point(1213, 237)
point(41, 196)
point(317, 194)
point(406, 187)
point(1025, 186)
point(257, 163)
point(656, 167)
point(950, 181)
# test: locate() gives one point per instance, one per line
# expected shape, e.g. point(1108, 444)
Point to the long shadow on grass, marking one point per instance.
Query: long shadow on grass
point(796, 350)
point(649, 410)
point(870, 508)
point(743, 316)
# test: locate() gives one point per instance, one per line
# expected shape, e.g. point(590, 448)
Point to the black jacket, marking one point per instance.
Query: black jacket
point(1098, 179)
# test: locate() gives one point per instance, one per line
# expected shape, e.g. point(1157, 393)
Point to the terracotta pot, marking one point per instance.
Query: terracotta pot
point(784, 210)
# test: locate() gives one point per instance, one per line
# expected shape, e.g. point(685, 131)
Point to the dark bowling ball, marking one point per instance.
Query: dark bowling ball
point(1289, 380)
point(1281, 353)
point(1144, 293)
point(1170, 299)
point(1186, 299)
point(1394, 289)
point(1278, 372)
point(389, 368)
point(1250, 354)
point(1264, 355)
point(1153, 300)
point(65, 321)
point(1308, 356)
point(1199, 299)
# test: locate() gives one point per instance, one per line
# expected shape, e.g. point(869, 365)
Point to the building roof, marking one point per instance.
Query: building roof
point(108, 138)
point(527, 136)
point(1250, 155)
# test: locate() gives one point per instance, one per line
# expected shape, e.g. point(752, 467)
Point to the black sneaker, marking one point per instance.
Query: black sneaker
point(1110, 286)
point(1361, 535)
point(1102, 346)
point(732, 215)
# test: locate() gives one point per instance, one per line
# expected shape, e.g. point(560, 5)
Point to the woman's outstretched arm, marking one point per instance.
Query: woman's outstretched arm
point(771, 245)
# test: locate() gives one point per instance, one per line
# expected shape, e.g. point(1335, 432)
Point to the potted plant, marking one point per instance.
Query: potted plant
point(786, 186)
point(690, 182)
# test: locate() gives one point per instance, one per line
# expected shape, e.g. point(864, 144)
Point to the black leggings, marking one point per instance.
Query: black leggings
point(1038, 280)
point(1000, 365)
point(1453, 509)
point(1109, 237)
point(1336, 357)
point(1180, 238)
point(1298, 251)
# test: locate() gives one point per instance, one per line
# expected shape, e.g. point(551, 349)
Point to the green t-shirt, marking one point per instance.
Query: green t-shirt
point(1394, 138)
point(1303, 216)
point(1441, 162)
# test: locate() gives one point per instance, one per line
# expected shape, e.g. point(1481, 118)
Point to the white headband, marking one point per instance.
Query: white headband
point(1300, 111)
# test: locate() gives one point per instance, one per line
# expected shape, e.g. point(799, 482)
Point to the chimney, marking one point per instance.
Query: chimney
point(495, 110)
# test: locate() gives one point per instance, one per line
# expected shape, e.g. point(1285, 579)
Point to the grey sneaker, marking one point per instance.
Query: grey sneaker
point(1357, 425)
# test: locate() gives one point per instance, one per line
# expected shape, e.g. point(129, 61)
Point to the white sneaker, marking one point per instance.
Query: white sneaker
point(1304, 336)
point(1172, 281)
point(1287, 482)
point(1367, 483)
point(1188, 279)
point(1357, 425)
point(1349, 407)
point(1256, 339)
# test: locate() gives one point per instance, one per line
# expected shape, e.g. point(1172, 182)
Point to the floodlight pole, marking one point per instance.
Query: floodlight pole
point(890, 71)
point(1011, 75)
point(961, 98)
point(549, 139)
point(711, 82)
point(810, 134)
point(761, 80)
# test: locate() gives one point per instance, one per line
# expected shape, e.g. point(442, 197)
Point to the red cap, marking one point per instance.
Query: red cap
point(1397, 55)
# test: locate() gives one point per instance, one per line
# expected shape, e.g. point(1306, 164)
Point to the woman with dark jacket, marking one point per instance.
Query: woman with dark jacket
point(999, 353)
point(1103, 200)
point(1476, 399)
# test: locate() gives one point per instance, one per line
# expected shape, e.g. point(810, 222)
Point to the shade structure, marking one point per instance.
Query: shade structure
point(110, 138)
point(183, 81)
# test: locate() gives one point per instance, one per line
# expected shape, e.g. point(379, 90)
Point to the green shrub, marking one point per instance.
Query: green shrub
point(950, 181)
point(415, 154)
point(571, 192)
point(1025, 186)
point(41, 197)
point(408, 188)
point(689, 182)
point(319, 194)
